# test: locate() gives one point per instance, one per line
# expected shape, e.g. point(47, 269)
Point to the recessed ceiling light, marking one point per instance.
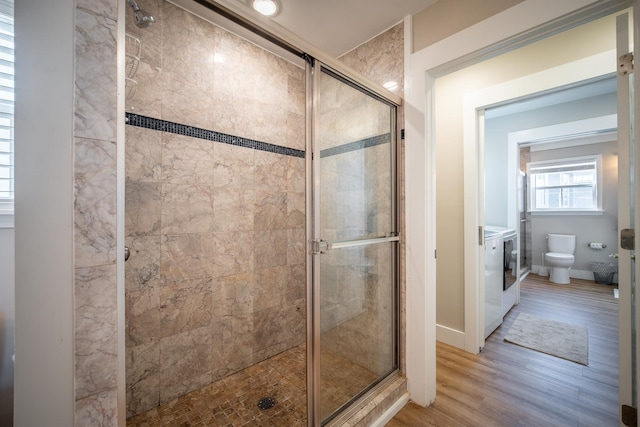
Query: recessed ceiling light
point(265, 7)
point(391, 85)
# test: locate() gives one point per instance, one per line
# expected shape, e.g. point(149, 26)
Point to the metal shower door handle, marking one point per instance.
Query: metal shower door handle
point(322, 246)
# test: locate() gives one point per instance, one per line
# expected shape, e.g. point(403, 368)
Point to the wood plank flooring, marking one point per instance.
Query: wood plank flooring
point(508, 385)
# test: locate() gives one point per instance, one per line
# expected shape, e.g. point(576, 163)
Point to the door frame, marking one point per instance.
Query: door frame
point(629, 322)
point(517, 26)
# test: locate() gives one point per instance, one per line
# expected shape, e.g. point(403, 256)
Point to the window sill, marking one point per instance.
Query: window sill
point(568, 212)
point(7, 220)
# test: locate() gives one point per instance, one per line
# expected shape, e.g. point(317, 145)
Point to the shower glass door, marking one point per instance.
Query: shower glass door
point(356, 239)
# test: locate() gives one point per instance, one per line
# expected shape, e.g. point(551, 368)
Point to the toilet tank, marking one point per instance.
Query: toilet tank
point(561, 243)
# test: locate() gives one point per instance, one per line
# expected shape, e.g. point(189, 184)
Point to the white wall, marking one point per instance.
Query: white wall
point(421, 69)
point(7, 320)
point(44, 339)
point(586, 228)
point(461, 14)
point(450, 93)
point(496, 173)
point(497, 135)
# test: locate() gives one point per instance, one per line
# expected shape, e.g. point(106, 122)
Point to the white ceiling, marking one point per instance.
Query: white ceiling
point(337, 26)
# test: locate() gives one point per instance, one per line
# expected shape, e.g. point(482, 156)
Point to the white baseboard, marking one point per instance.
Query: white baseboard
point(392, 411)
point(539, 270)
point(450, 336)
point(576, 274)
point(581, 274)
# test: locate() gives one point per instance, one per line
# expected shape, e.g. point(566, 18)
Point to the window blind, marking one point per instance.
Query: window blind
point(563, 167)
point(6, 104)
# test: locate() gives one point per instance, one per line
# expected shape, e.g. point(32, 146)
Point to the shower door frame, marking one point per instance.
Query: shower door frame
point(316, 246)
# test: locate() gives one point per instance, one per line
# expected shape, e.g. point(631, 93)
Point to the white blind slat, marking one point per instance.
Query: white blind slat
point(7, 59)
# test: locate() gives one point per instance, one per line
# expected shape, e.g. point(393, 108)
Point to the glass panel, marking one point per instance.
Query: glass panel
point(357, 284)
point(357, 322)
point(354, 141)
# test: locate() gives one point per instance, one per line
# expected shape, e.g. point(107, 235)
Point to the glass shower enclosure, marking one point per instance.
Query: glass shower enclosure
point(355, 241)
point(249, 163)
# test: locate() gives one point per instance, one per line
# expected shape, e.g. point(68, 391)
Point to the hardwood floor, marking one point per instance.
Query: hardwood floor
point(508, 385)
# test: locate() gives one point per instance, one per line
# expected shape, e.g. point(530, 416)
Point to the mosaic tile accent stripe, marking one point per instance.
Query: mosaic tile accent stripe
point(357, 145)
point(209, 135)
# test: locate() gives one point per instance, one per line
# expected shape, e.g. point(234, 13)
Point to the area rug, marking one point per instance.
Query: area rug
point(558, 339)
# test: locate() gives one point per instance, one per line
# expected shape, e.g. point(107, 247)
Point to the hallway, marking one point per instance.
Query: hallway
point(507, 385)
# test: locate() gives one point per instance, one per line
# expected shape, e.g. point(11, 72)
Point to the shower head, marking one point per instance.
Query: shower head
point(142, 17)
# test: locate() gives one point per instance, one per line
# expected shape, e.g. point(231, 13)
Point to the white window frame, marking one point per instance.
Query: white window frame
point(597, 159)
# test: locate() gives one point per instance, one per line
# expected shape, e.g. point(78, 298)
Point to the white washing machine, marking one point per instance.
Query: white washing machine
point(493, 281)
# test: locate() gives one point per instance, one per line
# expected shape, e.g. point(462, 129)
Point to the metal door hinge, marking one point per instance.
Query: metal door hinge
point(319, 247)
point(627, 239)
point(625, 64)
point(629, 416)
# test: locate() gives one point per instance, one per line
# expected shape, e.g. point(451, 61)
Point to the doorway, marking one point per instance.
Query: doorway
point(599, 63)
point(567, 123)
point(455, 95)
point(478, 103)
point(568, 138)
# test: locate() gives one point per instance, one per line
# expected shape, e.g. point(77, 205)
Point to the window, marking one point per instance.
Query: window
point(570, 185)
point(6, 109)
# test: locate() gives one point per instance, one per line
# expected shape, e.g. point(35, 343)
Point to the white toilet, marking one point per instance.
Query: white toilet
point(560, 257)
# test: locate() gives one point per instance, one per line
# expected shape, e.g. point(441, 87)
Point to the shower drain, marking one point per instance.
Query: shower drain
point(266, 403)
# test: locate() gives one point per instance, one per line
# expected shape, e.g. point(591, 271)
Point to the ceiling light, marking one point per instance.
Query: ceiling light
point(391, 85)
point(265, 7)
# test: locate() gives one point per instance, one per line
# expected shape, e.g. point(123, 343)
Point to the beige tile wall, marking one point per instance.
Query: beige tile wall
point(95, 214)
point(216, 279)
point(382, 60)
point(171, 84)
point(358, 285)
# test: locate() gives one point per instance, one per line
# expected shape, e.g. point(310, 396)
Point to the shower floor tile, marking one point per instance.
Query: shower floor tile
point(233, 401)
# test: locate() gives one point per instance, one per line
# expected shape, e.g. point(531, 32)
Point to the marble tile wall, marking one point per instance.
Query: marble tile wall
point(95, 295)
point(169, 86)
point(216, 278)
point(381, 59)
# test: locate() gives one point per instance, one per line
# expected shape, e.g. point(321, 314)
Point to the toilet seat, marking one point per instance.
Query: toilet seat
point(559, 256)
